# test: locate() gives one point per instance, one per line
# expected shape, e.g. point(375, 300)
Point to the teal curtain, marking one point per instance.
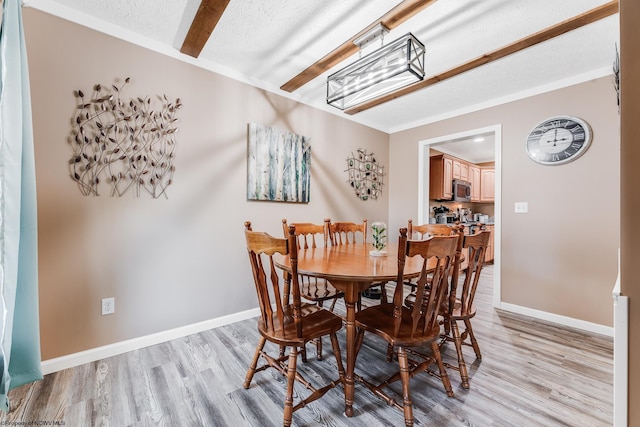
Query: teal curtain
point(19, 327)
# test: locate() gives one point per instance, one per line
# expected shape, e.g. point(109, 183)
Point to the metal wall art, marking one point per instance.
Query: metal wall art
point(616, 77)
point(123, 144)
point(278, 165)
point(365, 175)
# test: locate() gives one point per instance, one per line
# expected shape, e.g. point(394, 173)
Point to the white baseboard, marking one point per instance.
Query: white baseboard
point(98, 353)
point(556, 318)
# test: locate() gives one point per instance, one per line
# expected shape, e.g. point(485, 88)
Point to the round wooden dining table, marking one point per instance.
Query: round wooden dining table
point(351, 269)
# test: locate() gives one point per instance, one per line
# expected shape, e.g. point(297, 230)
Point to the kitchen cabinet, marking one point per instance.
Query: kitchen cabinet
point(440, 177)
point(460, 170)
point(474, 179)
point(444, 169)
point(464, 171)
point(487, 184)
point(489, 254)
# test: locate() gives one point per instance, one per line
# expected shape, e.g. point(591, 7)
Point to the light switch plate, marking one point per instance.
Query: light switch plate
point(521, 207)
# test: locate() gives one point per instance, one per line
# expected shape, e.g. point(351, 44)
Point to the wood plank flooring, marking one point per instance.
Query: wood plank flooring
point(532, 374)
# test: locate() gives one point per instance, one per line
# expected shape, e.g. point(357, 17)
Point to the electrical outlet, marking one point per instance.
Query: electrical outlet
point(108, 306)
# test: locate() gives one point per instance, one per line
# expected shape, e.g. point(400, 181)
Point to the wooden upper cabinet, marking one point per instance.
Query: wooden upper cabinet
point(460, 169)
point(464, 171)
point(444, 169)
point(440, 177)
point(487, 184)
point(474, 179)
point(456, 169)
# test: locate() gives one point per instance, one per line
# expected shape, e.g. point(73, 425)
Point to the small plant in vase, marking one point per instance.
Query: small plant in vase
point(379, 234)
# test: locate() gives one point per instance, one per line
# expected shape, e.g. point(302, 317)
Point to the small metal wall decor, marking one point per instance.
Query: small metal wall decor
point(123, 144)
point(616, 77)
point(365, 174)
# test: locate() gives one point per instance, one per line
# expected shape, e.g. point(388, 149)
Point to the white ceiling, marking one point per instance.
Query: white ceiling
point(267, 42)
point(479, 148)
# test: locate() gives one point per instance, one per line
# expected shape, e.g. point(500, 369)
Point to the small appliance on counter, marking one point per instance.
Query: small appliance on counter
point(441, 214)
point(478, 217)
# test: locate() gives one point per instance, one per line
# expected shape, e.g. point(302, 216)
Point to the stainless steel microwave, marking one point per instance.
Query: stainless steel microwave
point(461, 190)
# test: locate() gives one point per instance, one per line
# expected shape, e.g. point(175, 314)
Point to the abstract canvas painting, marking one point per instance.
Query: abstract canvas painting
point(278, 163)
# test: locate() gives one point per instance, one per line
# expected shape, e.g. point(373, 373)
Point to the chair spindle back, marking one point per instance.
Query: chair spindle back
point(307, 233)
point(261, 248)
point(345, 233)
point(431, 288)
point(477, 246)
point(424, 231)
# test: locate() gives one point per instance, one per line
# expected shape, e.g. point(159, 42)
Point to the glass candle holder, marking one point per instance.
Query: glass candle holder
point(379, 238)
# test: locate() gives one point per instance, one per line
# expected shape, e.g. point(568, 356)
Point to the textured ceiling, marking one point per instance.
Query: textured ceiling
point(267, 42)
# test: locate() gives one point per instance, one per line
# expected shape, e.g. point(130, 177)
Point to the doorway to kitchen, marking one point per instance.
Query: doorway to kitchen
point(472, 146)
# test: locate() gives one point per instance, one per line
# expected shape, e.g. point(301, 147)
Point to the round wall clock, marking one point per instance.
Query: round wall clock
point(558, 140)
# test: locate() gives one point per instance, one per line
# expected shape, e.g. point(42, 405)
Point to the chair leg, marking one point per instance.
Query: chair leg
point(383, 293)
point(389, 352)
point(359, 339)
point(318, 341)
point(474, 342)
point(462, 366)
point(333, 304)
point(336, 353)
point(447, 328)
point(291, 379)
point(319, 348)
point(435, 350)
point(254, 363)
point(406, 395)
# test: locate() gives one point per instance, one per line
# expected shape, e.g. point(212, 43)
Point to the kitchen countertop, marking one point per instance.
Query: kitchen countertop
point(470, 223)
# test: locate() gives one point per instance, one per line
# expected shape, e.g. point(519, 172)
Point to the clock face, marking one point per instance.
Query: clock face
point(558, 140)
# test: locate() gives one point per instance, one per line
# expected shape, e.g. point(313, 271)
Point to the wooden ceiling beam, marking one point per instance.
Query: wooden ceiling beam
point(391, 19)
point(206, 19)
point(563, 27)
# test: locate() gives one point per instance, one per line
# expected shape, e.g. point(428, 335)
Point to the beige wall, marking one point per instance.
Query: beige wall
point(561, 257)
point(630, 176)
point(176, 261)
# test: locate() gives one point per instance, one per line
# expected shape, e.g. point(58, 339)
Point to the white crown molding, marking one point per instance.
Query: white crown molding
point(538, 90)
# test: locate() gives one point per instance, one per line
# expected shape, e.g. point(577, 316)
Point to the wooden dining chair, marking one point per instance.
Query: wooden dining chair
point(346, 233)
point(314, 289)
point(282, 319)
point(460, 305)
point(424, 231)
point(410, 299)
point(309, 234)
point(405, 328)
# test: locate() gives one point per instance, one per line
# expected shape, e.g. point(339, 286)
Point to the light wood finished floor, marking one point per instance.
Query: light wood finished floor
point(532, 374)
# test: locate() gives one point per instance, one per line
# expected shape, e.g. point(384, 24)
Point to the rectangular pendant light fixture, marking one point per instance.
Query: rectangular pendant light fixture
point(391, 67)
